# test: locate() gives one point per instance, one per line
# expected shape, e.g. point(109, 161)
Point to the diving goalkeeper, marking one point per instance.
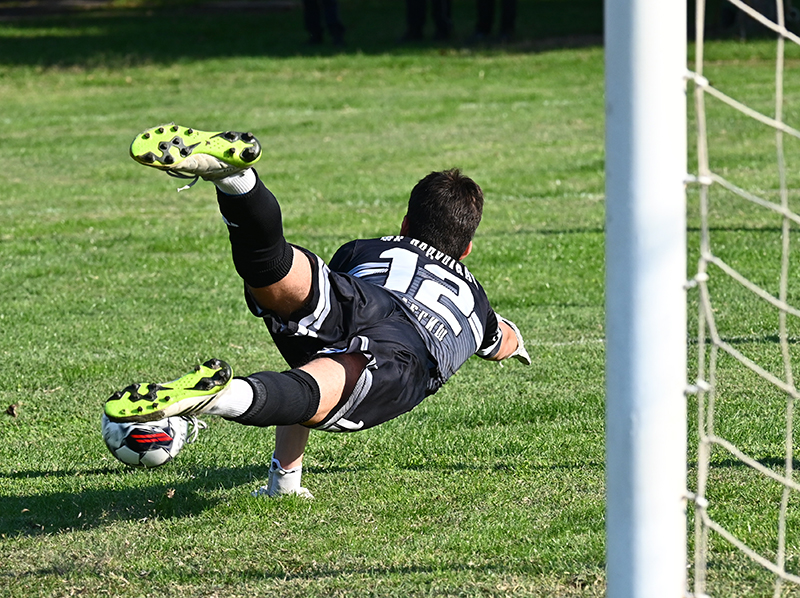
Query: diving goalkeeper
point(367, 337)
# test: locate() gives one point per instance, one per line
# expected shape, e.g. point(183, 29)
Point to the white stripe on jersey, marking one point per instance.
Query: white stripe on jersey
point(477, 329)
point(369, 269)
point(309, 325)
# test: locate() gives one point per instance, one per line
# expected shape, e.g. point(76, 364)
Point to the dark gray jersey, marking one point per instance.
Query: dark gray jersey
point(445, 301)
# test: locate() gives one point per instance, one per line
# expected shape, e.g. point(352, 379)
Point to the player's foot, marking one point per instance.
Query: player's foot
point(188, 153)
point(191, 394)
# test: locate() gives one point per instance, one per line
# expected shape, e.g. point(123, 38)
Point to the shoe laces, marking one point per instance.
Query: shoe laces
point(178, 175)
point(195, 425)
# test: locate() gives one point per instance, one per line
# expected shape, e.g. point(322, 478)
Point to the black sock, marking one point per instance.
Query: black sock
point(281, 399)
point(260, 252)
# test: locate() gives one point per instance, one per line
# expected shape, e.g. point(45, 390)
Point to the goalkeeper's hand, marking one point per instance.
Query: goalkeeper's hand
point(520, 354)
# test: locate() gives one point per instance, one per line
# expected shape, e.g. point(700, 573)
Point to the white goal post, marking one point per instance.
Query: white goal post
point(645, 60)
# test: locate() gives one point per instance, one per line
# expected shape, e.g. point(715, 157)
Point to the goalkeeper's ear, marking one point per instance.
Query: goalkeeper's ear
point(520, 354)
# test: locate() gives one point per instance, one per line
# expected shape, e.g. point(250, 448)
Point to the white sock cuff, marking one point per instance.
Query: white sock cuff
point(238, 183)
point(282, 481)
point(234, 400)
point(276, 466)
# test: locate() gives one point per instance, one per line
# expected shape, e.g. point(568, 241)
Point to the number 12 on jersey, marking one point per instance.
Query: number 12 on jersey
point(427, 286)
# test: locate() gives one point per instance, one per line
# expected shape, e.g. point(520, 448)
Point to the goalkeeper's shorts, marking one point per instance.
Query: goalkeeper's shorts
point(348, 315)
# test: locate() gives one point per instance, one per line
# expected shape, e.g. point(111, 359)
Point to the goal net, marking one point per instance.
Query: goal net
point(742, 217)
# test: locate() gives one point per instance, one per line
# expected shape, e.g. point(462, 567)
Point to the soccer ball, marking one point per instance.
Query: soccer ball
point(149, 444)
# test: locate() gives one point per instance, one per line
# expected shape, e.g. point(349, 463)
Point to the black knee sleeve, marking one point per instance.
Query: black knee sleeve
point(281, 399)
point(260, 252)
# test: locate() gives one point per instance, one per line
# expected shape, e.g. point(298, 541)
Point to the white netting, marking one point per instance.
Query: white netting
point(747, 313)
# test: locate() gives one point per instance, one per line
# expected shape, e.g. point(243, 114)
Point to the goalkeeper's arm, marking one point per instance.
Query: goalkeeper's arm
point(511, 343)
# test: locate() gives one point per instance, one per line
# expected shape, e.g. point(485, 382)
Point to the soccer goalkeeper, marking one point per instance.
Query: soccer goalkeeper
point(367, 337)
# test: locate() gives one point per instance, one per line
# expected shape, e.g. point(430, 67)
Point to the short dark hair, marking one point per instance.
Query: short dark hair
point(444, 211)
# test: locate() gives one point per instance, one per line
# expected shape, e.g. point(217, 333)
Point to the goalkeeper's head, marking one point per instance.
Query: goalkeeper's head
point(444, 211)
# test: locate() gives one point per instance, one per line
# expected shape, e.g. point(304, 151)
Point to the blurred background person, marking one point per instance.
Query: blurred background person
point(485, 20)
point(441, 13)
point(317, 11)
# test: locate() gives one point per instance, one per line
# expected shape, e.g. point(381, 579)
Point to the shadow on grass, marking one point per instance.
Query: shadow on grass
point(63, 511)
point(763, 339)
point(460, 467)
point(48, 35)
point(775, 463)
point(47, 513)
point(589, 583)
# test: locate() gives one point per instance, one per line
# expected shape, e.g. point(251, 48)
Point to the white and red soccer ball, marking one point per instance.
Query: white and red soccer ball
point(149, 444)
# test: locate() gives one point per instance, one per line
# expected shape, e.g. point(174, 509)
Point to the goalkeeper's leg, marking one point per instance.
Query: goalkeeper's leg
point(278, 275)
point(302, 395)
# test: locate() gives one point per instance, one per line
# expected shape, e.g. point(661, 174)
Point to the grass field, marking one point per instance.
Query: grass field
point(494, 486)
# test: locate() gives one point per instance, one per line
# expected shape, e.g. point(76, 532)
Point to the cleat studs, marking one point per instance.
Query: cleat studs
point(146, 136)
point(174, 128)
point(176, 141)
point(249, 154)
point(184, 152)
point(168, 159)
point(230, 136)
point(149, 158)
point(247, 137)
point(163, 146)
point(232, 151)
point(189, 131)
point(139, 409)
point(160, 130)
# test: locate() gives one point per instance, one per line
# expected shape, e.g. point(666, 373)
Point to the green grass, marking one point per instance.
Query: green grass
point(492, 487)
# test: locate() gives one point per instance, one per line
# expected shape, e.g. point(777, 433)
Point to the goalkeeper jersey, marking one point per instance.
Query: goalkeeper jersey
point(444, 300)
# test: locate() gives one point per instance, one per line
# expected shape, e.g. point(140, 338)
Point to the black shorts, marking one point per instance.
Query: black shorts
point(347, 315)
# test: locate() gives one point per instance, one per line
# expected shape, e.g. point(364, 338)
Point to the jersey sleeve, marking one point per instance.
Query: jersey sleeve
point(492, 337)
point(340, 262)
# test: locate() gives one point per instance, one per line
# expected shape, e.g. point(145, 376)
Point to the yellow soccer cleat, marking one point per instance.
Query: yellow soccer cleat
point(189, 395)
point(188, 153)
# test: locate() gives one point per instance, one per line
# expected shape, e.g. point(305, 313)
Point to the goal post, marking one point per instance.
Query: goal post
point(645, 61)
